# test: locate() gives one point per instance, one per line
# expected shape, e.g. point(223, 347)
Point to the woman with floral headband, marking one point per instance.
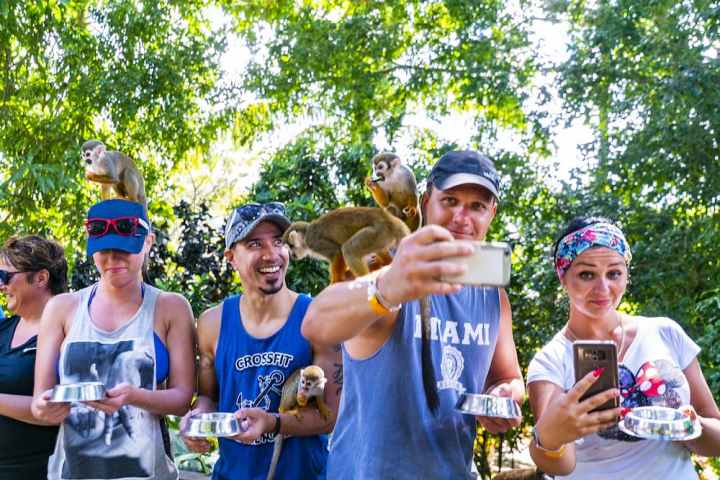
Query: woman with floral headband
point(135, 339)
point(657, 366)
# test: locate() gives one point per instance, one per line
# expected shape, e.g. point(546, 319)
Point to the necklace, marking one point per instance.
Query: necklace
point(570, 335)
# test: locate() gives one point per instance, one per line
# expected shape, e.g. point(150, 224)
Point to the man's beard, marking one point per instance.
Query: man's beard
point(272, 290)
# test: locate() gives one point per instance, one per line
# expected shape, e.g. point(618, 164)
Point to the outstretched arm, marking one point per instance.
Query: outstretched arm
point(341, 312)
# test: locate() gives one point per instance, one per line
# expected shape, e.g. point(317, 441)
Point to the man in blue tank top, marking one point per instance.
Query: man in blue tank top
point(385, 429)
point(249, 345)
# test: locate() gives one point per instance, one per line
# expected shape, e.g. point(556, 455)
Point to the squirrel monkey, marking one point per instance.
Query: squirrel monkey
point(344, 236)
point(114, 171)
point(393, 186)
point(303, 386)
point(347, 236)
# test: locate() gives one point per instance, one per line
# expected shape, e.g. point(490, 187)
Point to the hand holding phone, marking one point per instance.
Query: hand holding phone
point(592, 355)
point(488, 265)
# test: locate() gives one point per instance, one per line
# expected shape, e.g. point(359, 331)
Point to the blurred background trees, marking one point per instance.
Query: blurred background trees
point(221, 102)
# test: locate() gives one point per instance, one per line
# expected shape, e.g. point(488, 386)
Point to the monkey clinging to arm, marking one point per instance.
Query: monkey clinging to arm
point(393, 186)
point(305, 385)
point(113, 171)
point(345, 236)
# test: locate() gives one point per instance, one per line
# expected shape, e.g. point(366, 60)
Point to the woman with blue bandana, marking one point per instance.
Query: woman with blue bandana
point(134, 338)
point(657, 361)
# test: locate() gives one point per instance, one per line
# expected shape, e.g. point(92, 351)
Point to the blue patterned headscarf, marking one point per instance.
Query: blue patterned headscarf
point(594, 235)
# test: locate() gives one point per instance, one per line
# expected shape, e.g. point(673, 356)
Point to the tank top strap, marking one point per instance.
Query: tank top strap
point(82, 313)
point(230, 319)
point(297, 314)
point(150, 296)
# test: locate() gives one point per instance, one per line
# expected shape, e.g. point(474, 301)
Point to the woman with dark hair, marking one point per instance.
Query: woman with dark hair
point(657, 366)
point(134, 338)
point(32, 271)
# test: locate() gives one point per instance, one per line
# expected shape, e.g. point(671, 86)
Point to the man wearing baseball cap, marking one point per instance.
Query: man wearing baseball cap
point(250, 345)
point(376, 318)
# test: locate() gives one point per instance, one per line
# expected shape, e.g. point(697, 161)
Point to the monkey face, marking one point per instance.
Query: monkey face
point(312, 382)
point(100, 165)
point(383, 164)
point(296, 243)
point(380, 171)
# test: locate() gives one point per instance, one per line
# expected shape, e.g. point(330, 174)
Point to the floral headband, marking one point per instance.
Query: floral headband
point(595, 235)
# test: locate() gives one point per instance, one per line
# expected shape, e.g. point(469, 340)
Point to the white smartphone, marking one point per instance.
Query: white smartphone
point(488, 266)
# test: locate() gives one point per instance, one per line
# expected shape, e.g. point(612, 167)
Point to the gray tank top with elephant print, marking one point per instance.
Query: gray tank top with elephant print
point(128, 444)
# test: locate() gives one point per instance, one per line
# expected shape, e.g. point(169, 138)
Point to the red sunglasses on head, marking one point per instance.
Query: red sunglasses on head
point(126, 226)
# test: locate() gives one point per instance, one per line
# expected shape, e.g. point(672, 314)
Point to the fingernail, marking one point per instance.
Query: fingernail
point(624, 411)
point(598, 371)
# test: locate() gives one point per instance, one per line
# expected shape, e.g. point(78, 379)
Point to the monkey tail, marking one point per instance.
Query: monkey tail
point(277, 448)
point(428, 370)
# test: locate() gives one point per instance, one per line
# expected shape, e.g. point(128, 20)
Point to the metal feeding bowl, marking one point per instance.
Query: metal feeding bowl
point(660, 423)
point(78, 392)
point(216, 424)
point(487, 406)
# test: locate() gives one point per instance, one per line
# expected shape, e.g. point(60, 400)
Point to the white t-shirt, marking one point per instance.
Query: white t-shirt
point(650, 374)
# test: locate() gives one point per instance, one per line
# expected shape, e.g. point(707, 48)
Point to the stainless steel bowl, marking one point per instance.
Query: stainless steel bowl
point(216, 424)
point(78, 392)
point(488, 406)
point(660, 423)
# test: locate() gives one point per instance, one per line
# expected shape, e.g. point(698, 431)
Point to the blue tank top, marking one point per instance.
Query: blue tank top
point(250, 373)
point(384, 428)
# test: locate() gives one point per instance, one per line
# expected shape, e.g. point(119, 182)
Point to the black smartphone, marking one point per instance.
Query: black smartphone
point(589, 355)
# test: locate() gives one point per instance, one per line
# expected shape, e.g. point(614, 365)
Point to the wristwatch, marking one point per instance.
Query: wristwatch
point(546, 451)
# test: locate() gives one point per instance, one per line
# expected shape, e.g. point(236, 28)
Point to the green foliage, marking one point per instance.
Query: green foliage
point(364, 66)
point(145, 78)
point(135, 75)
point(645, 75)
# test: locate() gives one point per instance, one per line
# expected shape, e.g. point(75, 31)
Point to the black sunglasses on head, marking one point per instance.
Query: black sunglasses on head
point(6, 276)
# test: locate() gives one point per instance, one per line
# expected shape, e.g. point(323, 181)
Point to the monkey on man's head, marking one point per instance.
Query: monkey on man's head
point(115, 172)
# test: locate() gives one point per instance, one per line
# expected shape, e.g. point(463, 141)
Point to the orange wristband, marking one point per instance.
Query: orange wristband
point(377, 307)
